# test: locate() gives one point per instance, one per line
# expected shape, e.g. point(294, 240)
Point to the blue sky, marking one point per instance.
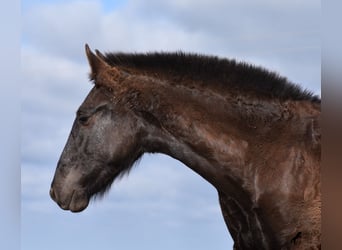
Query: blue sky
point(162, 204)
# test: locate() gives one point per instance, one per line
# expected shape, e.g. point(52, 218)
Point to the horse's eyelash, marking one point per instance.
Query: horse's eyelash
point(90, 111)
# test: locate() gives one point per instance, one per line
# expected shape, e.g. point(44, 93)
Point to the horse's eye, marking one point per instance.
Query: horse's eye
point(83, 120)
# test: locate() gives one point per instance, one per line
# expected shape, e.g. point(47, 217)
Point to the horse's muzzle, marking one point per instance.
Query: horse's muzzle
point(77, 201)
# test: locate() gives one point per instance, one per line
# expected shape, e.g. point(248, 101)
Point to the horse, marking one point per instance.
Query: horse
point(251, 133)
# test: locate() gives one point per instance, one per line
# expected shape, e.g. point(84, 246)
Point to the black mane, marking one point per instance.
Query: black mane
point(229, 73)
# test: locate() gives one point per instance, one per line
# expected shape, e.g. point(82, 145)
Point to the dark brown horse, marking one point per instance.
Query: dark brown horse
point(250, 133)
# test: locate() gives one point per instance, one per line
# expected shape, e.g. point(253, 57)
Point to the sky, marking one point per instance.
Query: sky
point(162, 204)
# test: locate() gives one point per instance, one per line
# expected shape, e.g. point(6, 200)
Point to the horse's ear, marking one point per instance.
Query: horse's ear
point(101, 72)
point(100, 55)
point(96, 63)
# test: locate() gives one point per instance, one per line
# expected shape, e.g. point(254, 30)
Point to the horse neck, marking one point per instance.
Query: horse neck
point(207, 131)
point(181, 127)
point(192, 125)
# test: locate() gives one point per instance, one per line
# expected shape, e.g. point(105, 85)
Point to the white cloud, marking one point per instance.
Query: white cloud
point(62, 28)
point(150, 35)
point(52, 85)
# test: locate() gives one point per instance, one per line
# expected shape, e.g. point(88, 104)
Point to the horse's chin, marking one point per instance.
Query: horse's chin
point(76, 202)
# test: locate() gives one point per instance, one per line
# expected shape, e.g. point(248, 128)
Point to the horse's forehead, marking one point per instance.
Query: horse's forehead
point(95, 96)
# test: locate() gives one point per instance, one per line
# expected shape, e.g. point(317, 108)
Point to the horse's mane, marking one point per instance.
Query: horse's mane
point(216, 71)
